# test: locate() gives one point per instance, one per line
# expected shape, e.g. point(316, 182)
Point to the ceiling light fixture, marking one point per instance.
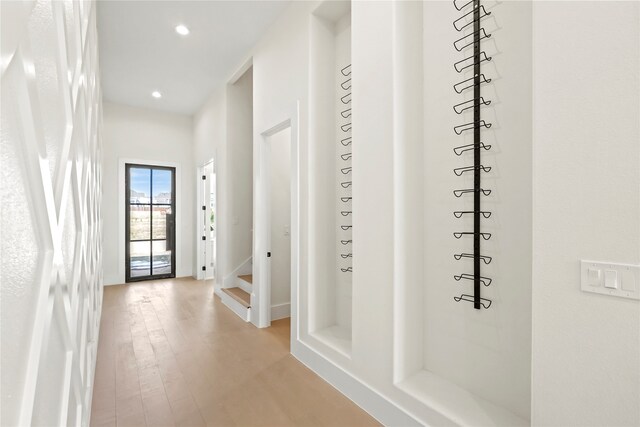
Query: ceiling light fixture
point(156, 94)
point(182, 30)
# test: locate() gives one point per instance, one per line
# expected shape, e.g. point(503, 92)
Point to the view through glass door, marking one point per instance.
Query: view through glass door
point(150, 222)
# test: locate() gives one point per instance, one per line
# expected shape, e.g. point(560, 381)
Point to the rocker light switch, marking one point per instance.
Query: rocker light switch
point(610, 278)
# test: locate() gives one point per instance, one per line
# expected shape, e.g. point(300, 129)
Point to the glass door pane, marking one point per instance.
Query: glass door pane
point(161, 257)
point(139, 222)
point(140, 185)
point(162, 184)
point(162, 221)
point(140, 259)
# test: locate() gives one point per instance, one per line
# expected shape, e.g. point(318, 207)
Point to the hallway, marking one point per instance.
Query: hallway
point(171, 354)
point(437, 202)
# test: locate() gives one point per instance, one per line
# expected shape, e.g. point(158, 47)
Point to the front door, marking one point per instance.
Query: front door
point(150, 222)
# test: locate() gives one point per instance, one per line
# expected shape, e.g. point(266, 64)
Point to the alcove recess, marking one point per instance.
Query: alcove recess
point(330, 288)
point(472, 366)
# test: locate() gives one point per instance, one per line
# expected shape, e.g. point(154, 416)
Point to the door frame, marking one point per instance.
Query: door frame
point(261, 308)
point(127, 225)
point(122, 189)
point(199, 220)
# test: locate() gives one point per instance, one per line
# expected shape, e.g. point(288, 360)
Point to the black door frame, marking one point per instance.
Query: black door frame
point(171, 237)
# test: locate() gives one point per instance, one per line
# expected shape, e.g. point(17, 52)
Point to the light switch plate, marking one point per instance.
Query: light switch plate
point(609, 278)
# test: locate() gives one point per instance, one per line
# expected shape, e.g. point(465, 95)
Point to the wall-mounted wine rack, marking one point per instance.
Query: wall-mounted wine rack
point(344, 192)
point(469, 24)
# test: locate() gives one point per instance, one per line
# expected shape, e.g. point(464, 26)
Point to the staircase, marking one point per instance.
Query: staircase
point(238, 298)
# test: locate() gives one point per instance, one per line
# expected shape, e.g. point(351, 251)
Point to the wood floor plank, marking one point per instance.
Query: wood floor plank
point(171, 354)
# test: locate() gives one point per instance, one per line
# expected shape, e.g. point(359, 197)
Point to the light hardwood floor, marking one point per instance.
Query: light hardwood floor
point(171, 354)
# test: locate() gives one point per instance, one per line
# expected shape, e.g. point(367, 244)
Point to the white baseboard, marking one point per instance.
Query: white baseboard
point(112, 284)
point(125, 283)
point(362, 395)
point(217, 291)
point(280, 311)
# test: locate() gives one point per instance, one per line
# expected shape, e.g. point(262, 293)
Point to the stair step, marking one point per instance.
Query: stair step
point(239, 295)
point(244, 282)
point(247, 278)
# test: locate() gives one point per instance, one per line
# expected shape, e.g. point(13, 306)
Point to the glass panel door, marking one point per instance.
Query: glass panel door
point(150, 222)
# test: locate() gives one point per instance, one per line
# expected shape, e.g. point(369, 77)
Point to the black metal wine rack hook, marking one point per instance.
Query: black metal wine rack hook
point(472, 17)
point(346, 154)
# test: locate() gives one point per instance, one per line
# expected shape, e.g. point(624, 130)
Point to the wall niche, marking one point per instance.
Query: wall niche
point(330, 250)
point(472, 366)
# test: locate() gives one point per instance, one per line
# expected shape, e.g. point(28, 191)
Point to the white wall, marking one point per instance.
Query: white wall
point(487, 352)
point(137, 134)
point(321, 169)
point(280, 210)
point(344, 281)
point(330, 289)
point(373, 160)
point(209, 142)
point(573, 380)
point(279, 80)
point(372, 105)
point(222, 130)
point(586, 197)
point(240, 171)
point(50, 217)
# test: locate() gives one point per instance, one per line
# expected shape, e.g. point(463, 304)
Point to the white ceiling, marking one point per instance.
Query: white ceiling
point(140, 51)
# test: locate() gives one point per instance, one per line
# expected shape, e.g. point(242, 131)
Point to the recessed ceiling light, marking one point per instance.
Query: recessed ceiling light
point(156, 94)
point(182, 30)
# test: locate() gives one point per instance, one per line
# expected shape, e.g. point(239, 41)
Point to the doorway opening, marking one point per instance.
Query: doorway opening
point(207, 222)
point(279, 227)
point(150, 215)
point(276, 240)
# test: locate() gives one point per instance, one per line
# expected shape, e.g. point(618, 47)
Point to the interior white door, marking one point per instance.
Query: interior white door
point(206, 222)
point(209, 231)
